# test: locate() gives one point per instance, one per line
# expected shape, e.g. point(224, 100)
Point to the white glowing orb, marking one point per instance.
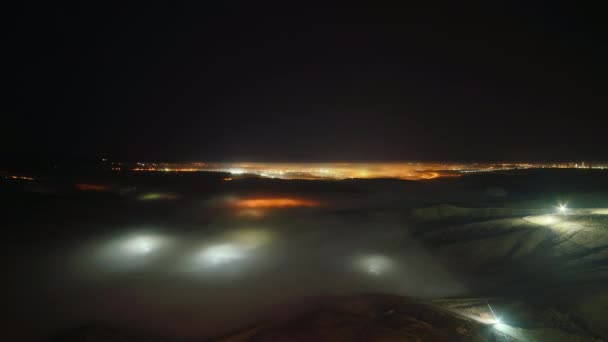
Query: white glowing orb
point(141, 245)
point(562, 208)
point(236, 171)
point(221, 254)
point(131, 251)
point(498, 325)
point(496, 321)
point(374, 264)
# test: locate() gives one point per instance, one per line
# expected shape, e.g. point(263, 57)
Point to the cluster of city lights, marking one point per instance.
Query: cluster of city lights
point(337, 171)
point(14, 177)
point(348, 170)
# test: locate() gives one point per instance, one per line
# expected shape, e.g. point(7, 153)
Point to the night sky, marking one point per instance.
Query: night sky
point(247, 82)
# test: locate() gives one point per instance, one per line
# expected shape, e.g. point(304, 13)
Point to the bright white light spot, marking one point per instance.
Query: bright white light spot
point(141, 245)
point(374, 264)
point(221, 254)
point(497, 321)
point(499, 326)
point(234, 251)
point(562, 208)
point(236, 171)
point(130, 251)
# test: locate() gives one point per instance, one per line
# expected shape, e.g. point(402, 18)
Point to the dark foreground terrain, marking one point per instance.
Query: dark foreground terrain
point(202, 256)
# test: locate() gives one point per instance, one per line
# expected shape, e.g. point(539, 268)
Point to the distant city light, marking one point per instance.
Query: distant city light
point(348, 170)
point(20, 178)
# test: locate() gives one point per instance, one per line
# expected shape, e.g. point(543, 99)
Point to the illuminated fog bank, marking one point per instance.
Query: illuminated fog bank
point(235, 252)
point(374, 264)
point(129, 251)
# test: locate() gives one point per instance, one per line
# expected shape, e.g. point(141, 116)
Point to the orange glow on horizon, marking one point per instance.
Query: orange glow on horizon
point(91, 187)
point(279, 202)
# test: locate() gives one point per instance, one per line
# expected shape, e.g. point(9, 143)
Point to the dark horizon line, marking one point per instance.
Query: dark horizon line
point(103, 159)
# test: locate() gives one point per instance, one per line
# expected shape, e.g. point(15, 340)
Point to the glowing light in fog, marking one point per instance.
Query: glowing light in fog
point(543, 219)
point(155, 196)
point(498, 325)
point(233, 251)
point(274, 203)
point(496, 322)
point(562, 208)
point(250, 238)
point(221, 254)
point(133, 250)
point(374, 264)
point(139, 245)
